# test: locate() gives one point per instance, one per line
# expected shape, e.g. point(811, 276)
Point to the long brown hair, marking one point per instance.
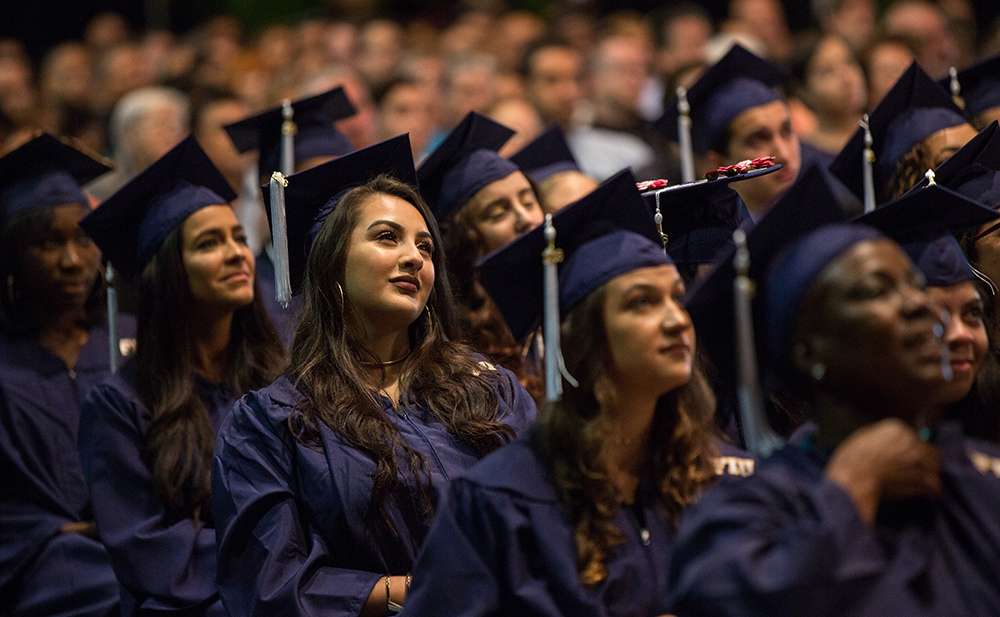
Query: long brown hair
point(440, 375)
point(181, 438)
point(575, 431)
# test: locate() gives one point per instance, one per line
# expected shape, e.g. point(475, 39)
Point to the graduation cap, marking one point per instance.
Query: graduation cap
point(465, 162)
point(311, 194)
point(974, 169)
point(547, 155)
point(739, 81)
point(44, 172)
point(699, 218)
point(977, 88)
point(922, 221)
point(132, 224)
point(314, 132)
point(603, 235)
point(913, 110)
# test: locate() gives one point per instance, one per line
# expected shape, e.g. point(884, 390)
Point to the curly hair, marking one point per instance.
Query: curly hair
point(328, 356)
point(574, 431)
point(909, 170)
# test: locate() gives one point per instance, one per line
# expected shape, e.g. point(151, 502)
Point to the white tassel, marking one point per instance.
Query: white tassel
point(114, 348)
point(956, 88)
point(555, 367)
point(757, 435)
point(867, 160)
point(279, 240)
point(684, 136)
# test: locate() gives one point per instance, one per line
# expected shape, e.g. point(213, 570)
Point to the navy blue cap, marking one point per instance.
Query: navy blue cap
point(465, 162)
point(922, 221)
point(547, 155)
point(603, 235)
point(979, 86)
point(739, 81)
point(913, 110)
point(974, 169)
point(315, 134)
point(132, 224)
point(312, 194)
point(44, 172)
point(809, 204)
point(699, 218)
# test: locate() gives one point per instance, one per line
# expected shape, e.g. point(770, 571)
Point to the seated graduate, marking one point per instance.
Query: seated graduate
point(325, 482)
point(204, 339)
point(576, 517)
point(549, 164)
point(914, 128)
point(872, 508)
point(482, 202)
point(53, 350)
point(315, 140)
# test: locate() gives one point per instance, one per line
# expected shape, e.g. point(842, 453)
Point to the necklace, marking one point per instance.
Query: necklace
point(389, 363)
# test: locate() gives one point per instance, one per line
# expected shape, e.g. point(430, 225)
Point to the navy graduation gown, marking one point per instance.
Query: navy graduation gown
point(502, 543)
point(163, 563)
point(787, 541)
point(293, 517)
point(44, 571)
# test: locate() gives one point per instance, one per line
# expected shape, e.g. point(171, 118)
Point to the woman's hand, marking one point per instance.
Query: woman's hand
point(885, 460)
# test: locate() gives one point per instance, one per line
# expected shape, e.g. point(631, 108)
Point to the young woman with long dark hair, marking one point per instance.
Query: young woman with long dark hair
point(576, 517)
point(203, 339)
point(53, 351)
point(325, 481)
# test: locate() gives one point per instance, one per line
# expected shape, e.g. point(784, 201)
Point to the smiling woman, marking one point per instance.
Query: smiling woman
point(203, 340)
point(325, 481)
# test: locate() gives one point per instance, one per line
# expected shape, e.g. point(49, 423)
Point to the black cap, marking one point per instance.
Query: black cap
point(132, 224)
point(547, 155)
point(979, 86)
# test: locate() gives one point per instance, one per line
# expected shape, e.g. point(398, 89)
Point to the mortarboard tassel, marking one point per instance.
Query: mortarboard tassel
point(114, 349)
point(684, 136)
point(867, 161)
point(956, 88)
point(279, 240)
point(658, 218)
point(554, 365)
point(288, 130)
point(757, 435)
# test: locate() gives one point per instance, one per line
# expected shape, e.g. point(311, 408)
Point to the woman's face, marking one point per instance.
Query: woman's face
point(389, 273)
point(650, 335)
point(964, 334)
point(944, 143)
point(503, 210)
point(59, 266)
point(835, 81)
point(869, 322)
point(218, 262)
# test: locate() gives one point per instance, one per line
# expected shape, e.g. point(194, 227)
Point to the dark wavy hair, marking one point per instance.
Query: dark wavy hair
point(574, 431)
point(180, 441)
point(909, 170)
point(440, 375)
point(480, 322)
point(17, 315)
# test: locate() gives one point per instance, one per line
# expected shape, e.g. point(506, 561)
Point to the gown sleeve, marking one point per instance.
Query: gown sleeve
point(162, 563)
point(760, 545)
point(272, 561)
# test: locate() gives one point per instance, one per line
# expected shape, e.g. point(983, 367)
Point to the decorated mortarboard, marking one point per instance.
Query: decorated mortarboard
point(975, 89)
point(913, 110)
point(44, 172)
point(312, 194)
point(603, 235)
point(699, 218)
point(314, 133)
point(465, 162)
point(735, 329)
point(132, 224)
point(546, 156)
point(923, 220)
point(739, 81)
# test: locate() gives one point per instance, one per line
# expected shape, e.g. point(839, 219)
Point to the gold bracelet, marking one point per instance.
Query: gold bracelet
point(408, 579)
